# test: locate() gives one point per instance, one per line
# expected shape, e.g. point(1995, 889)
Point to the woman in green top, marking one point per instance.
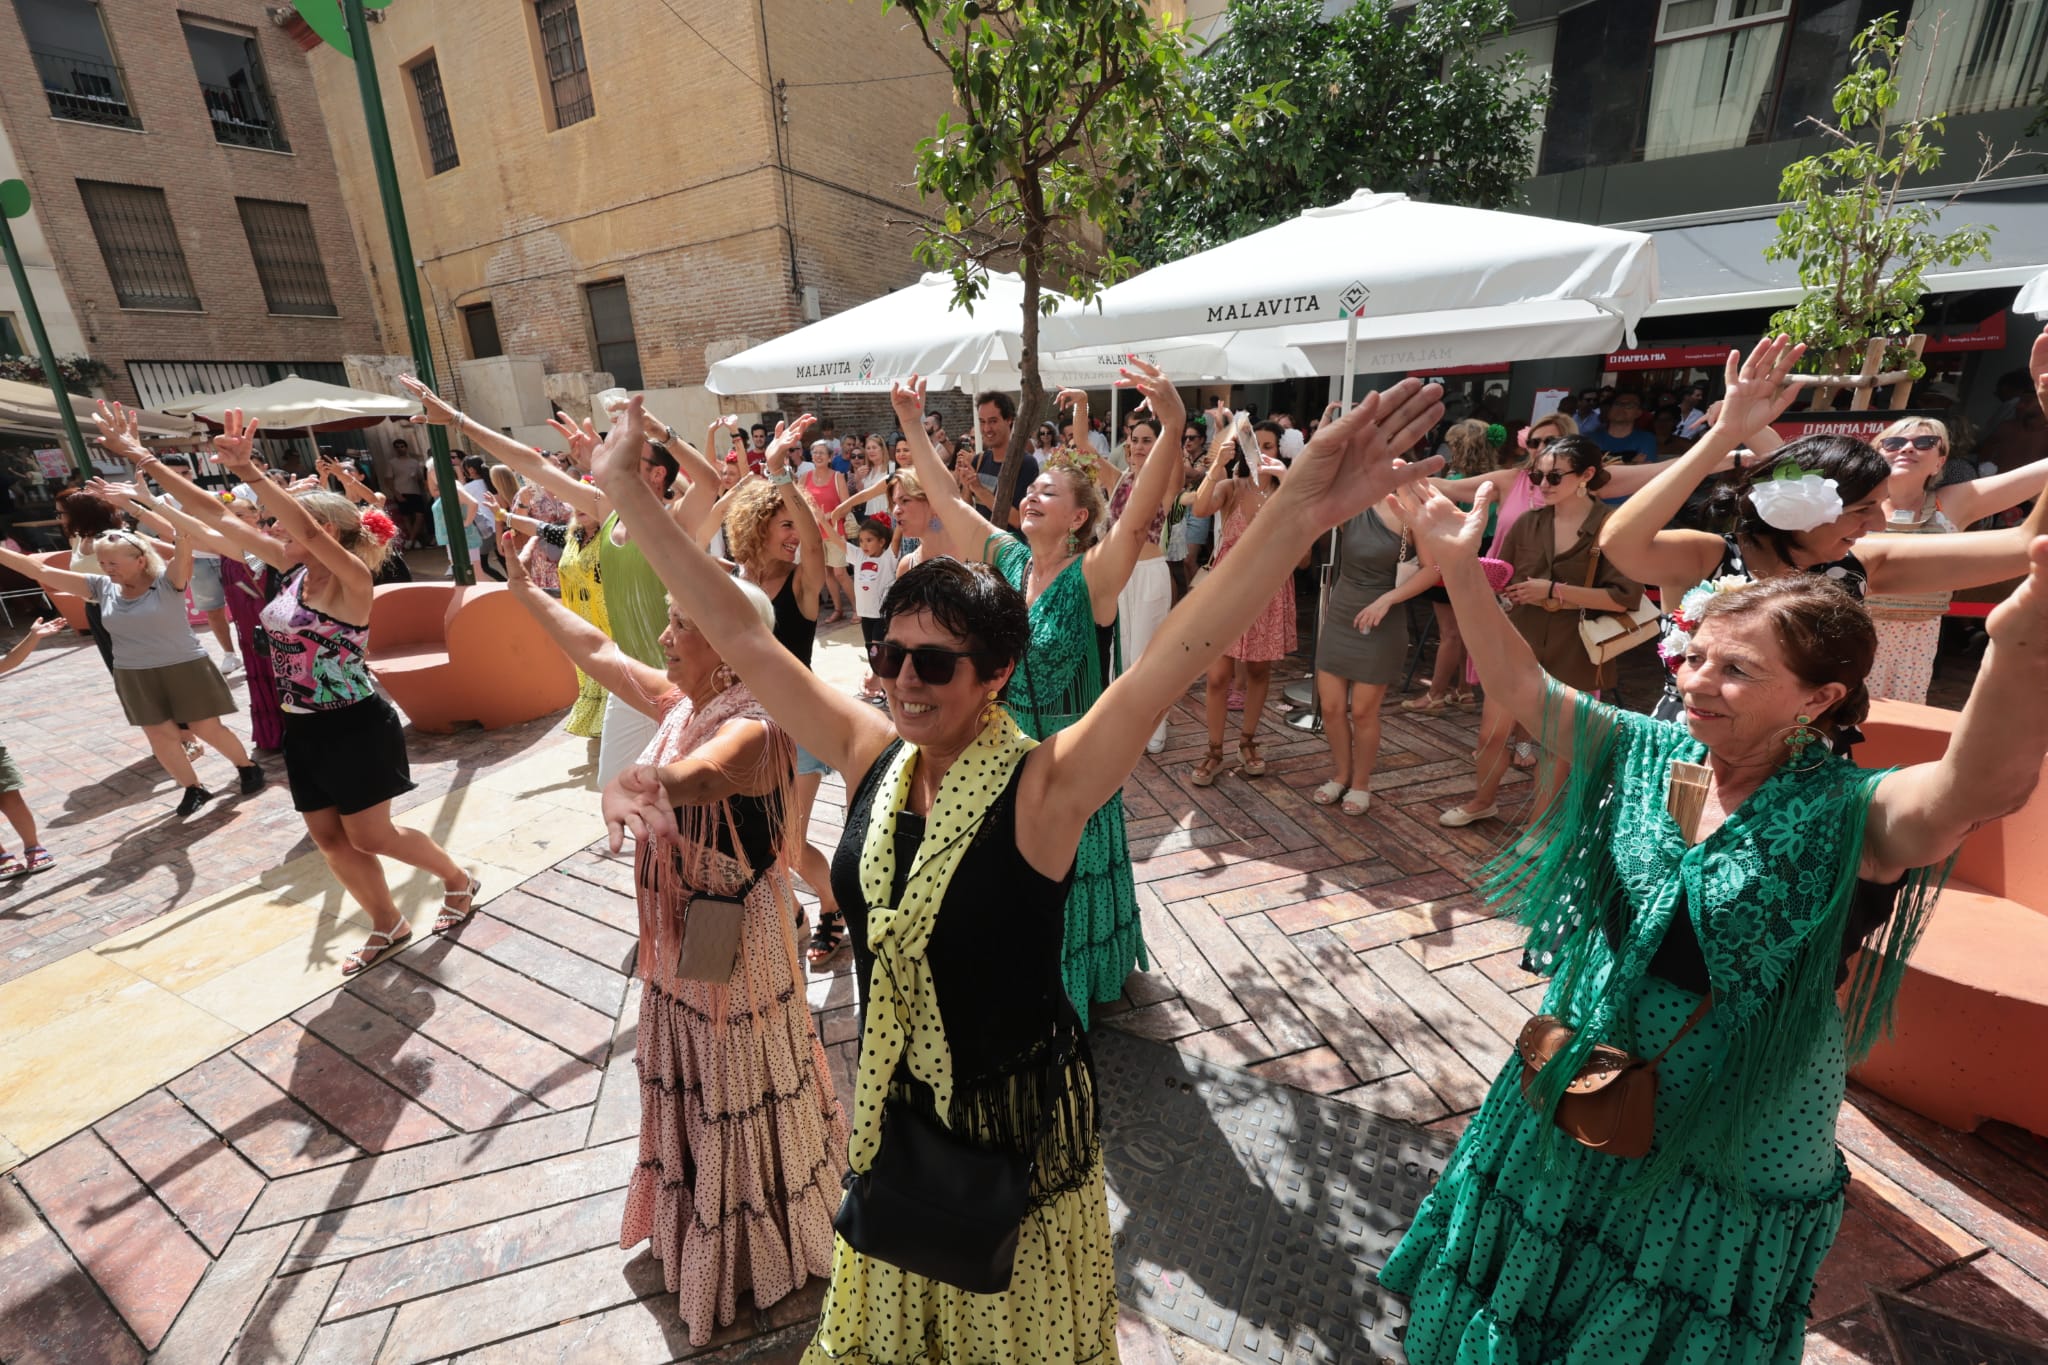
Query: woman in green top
point(1533, 1247)
point(1070, 568)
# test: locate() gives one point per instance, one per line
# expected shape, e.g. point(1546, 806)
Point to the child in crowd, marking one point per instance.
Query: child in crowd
point(13, 805)
point(874, 573)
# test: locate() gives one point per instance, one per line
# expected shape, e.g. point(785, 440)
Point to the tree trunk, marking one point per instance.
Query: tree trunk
point(1031, 390)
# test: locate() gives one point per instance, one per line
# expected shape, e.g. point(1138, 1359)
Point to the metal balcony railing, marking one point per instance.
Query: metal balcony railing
point(243, 117)
point(83, 89)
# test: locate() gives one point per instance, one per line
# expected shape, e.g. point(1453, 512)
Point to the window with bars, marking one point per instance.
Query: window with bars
point(236, 91)
point(611, 329)
point(140, 244)
point(81, 79)
point(433, 108)
point(561, 41)
point(287, 256)
point(480, 321)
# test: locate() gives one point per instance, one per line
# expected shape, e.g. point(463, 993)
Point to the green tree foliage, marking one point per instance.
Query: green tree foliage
point(1862, 252)
point(1060, 105)
point(1376, 97)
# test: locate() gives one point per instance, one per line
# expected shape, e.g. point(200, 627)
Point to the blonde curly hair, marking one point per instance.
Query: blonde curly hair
point(748, 517)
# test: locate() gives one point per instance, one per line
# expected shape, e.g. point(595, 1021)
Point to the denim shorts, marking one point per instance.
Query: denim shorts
point(207, 593)
point(807, 762)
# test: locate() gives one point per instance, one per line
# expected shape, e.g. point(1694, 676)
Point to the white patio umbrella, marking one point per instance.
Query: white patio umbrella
point(2033, 296)
point(1386, 270)
point(918, 330)
point(295, 404)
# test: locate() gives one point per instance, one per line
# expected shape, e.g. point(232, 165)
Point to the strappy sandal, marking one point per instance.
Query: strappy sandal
point(372, 952)
point(450, 916)
point(1250, 761)
point(828, 938)
point(1429, 703)
point(1327, 794)
point(39, 858)
point(1209, 768)
point(1464, 698)
point(1524, 754)
point(10, 866)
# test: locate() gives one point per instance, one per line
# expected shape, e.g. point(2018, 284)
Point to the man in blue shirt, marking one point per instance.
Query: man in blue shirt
point(1619, 436)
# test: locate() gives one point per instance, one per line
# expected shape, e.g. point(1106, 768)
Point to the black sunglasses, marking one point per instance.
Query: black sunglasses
point(934, 666)
point(1901, 442)
point(1553, 478)
point(1543, 442)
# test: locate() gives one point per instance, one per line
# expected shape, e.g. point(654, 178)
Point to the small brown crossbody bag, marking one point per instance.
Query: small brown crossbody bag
point(1611, 1105)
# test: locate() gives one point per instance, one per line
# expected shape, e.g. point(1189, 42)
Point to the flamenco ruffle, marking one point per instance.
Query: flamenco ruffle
point(1105, 938)
point(742, 1146)
point(1513, 1261)
point(1060, 1308)
point(586, 717)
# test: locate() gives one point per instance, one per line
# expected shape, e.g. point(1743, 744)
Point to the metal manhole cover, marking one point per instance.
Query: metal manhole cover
point(1252, 1217)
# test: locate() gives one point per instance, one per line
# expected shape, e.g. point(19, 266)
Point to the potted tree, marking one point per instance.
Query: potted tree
point(1862, 247)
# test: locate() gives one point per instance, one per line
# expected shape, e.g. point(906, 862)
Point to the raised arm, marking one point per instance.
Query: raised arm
point(965, 525)
point(1637, 537)
point(694, 508)
point(1109, 562)
point(880, 486)
point(837, 728)
point(1967, 559)
point(1465, 490)
point(1349, 466)
point(810, 560)
point(1992, 764)
point(37, 633)
point(58, 580)
point(235, 448)
point(176, 523)
point(589, 648)
point(1964, 503)
point(439, 412)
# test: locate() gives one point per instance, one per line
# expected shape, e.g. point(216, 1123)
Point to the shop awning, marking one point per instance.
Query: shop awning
point(31, 410)
point(1720, 267)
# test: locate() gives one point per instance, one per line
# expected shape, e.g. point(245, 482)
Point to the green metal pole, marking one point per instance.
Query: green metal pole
point(51, 374)
point(408, 284)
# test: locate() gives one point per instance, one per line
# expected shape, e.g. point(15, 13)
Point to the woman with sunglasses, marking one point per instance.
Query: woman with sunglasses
point(344, 747)
point(1810, 506)
point(961, 836)
point(1916, 502)
point(742, 1140)
point(1559, 574)
point(1071, 569)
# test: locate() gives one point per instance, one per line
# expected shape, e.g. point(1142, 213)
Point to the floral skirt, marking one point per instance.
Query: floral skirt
point(1518, 1258)
point(1060, 1308)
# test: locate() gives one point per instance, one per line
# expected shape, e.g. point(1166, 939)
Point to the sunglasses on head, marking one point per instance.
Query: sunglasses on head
point(1553, 478)
point(1901, 442)
point(934, 666)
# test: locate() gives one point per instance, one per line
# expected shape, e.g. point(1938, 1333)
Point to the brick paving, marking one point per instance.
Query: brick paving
point(428, 1164)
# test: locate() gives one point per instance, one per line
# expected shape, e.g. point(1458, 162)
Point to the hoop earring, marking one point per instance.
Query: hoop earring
point(723, 679)
point(990, 709)
point(1799, 737)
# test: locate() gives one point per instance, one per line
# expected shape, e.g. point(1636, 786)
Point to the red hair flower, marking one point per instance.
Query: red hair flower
point(380, 526)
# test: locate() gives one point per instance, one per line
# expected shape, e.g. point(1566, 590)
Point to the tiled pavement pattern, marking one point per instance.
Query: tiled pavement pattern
point(428, 1164)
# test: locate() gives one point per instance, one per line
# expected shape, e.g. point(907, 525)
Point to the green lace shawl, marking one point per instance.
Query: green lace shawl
point(1769, 893)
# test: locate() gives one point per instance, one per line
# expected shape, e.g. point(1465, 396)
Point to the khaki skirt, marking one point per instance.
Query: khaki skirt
point(193, 690)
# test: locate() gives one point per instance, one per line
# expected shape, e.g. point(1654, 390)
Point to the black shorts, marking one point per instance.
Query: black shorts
point(872, 628)
point(413, 504)
point(348, 759)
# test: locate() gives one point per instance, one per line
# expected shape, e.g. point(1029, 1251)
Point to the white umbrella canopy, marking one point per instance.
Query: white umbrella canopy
point(918, 330)
point(32, 409)
point(1394, 267)
point(2033, 296)
point(293, 403)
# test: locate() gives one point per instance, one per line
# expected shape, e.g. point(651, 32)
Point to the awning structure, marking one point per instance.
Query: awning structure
point(1720, 267)
point(31, 410)
point(295, 404)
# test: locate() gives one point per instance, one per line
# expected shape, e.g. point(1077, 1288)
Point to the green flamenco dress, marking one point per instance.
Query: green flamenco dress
point(1535, 1249)
point(1056, 681)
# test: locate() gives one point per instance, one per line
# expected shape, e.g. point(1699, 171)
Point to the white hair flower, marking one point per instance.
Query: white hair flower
point(1797, 503)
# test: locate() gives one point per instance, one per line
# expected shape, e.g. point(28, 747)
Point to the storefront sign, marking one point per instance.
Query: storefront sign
point(1667, 358)
point(1988, 335)
point(1839, 424)
point(55, 464)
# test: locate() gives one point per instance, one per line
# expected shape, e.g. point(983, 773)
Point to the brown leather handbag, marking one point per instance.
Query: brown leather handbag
point(1611, 1105)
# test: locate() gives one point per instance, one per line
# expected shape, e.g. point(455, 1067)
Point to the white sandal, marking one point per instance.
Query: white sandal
point(1327, 794)
point(372, 952)
point(1358, 806)
point(450, 916)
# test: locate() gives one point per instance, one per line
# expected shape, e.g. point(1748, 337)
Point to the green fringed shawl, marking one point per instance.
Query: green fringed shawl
point(1769, 893)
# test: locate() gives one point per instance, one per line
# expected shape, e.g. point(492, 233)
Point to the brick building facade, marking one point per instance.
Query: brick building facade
point(185, 193)
point(635, 187)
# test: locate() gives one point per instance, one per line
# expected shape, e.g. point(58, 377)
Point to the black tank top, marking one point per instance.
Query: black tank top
point(797, 632)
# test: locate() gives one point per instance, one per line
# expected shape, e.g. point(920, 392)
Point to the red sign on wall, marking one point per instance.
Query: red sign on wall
point(1667, 357)
point(1988, 335)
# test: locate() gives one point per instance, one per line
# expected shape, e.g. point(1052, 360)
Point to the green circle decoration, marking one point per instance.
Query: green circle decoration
point(13, 198)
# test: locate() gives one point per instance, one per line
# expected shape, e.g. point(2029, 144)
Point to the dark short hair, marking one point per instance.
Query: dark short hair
point(970, 601)
point(1145, 420)
point(659, 454)
point(875, 526)
point(400, 443)
point(1825, 633)
point(1269, 425)
point(1855, 466)
point(1583, 455)
point(1005, 406)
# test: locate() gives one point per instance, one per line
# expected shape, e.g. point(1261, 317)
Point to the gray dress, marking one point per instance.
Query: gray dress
point(1367, 551)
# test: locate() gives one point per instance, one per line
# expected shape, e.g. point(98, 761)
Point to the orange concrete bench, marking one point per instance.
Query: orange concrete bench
point(1970, 1040)
point(451, 656)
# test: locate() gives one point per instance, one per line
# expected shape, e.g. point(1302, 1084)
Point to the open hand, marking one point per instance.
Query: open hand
point(120, 432)
point(439, 412)
point(515, 567)
point(1160, 393)
point(1370, 615)
point(1445, 532)
point(788, 436)
point(235, 447)
point(634, 803)
point(907, 398)
point(1759, 387)
point(119, 492)
point(43, 630)
point(618, 459)
point(581, 436)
